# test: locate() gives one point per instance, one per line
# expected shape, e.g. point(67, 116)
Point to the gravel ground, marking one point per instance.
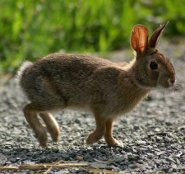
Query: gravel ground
point(153, 134)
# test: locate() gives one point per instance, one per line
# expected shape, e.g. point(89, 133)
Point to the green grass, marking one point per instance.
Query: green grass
point(30, 29)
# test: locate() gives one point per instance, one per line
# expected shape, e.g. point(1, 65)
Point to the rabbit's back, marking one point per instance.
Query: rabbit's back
point(69, 80)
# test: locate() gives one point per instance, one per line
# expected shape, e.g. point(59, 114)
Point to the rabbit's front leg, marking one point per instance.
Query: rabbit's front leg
point(99, 131)
point(31, 116)
point(111, 141)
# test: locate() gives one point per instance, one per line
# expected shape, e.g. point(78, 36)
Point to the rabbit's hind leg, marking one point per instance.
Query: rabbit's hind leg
point(30, 113)
point(51, 124)
point(111, 141)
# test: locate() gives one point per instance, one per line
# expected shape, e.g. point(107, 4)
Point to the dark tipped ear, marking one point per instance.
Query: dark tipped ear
point(155, 36)
point(139, 38)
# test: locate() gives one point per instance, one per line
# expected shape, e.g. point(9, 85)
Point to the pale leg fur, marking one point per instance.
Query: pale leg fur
point(32, 118)
point(52, 125)
point(99, 131)
point(103, 127)
point(31, 115)
point(111, 141)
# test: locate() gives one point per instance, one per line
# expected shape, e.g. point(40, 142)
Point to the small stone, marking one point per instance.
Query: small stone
point(141, 142)
point(79, 158)
point(157, 130)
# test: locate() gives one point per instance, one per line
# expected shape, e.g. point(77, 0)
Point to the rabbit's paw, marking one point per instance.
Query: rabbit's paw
point(93, 137)
point(55, 134)
point(115, 143)
point(42, 137)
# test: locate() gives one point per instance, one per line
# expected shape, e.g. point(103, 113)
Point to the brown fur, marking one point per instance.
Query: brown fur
point(105, 88)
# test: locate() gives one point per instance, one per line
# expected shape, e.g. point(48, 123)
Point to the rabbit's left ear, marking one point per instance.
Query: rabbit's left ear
point(155, 36)
point(139, 38)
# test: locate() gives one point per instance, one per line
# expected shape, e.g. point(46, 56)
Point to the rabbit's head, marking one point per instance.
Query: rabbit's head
point(151, 68)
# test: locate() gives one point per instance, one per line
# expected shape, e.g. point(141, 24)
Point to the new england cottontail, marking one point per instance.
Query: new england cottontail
point(107, 89)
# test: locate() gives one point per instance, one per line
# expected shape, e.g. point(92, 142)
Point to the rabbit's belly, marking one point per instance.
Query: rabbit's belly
point(85, 108)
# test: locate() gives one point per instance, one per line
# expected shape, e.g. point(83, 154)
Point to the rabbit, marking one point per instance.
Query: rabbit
point(105, 88)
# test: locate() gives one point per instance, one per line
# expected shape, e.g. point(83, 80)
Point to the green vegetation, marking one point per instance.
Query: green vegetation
point(33, 28)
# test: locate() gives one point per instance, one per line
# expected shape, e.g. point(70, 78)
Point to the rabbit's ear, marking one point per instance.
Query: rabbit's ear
point(139, 38)
point(155, 36)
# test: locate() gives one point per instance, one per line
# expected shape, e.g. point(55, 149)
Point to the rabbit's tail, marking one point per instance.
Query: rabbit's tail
point(21, 70)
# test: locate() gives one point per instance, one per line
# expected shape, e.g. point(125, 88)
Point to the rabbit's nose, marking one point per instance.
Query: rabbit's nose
point(171, 81)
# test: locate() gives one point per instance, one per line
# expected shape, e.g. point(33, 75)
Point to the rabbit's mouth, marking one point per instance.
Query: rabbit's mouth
point(141, 82)
point(166, 83)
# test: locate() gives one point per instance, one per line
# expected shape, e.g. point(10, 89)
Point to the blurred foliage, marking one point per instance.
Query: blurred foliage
point(33, 28)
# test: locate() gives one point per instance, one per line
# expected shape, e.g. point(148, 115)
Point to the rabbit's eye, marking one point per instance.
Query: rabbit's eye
point(153, 65)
